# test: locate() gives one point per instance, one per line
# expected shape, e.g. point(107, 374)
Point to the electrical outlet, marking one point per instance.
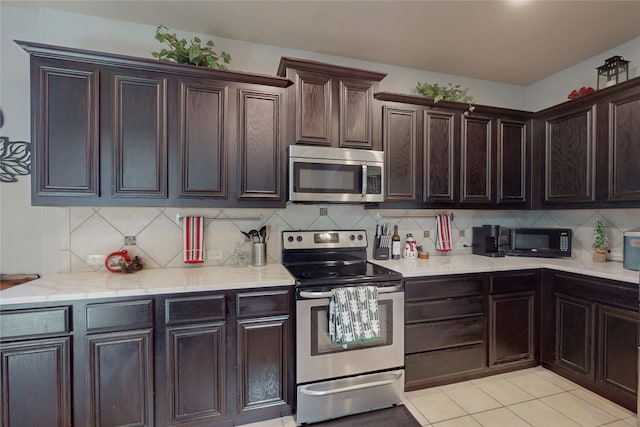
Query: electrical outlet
point(129, 240)
point(95, 259)
point(215, 254)
point(427, 234)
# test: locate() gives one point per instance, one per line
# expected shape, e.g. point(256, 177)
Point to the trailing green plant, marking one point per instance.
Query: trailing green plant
point(445, 93)
point(600, 239)
point(193, 53)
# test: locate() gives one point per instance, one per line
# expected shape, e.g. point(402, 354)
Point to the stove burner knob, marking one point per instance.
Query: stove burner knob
point(352, 237)
point(290, 238)
point(360, 237)
point(299, 238)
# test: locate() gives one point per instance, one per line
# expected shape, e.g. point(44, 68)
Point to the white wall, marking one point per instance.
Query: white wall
point(37, 240)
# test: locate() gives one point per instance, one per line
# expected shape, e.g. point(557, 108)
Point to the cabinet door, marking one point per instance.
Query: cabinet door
point(511, 328)
point(624, 149)
point(196, 365)
point(574, 335)
point(65, 107)
point(512, 167)
point(203, 139)
point(313, 108)
point(260, 145)
point(263, 362)
point(355, 117)
point(617, 348)
point(570, 157)
point(439, 157)
point(476, 160)
point(139, 134)
point(36, 383)
point(399, 141)
point(120, 376)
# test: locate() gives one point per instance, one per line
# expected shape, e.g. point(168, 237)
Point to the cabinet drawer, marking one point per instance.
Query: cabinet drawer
point(441, 309)
point(513, 283)
point(36, 322)
point(449, 333)
point(120, 315)
point(267, 303)
point(422, 366)
point(441, 288)
point(194, 309)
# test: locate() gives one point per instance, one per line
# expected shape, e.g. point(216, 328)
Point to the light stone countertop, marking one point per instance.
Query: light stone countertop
point(462, 264)
point(86, 285)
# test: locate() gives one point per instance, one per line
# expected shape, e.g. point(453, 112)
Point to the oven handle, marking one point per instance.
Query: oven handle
point(364, 180)
point(312, 294)
point(306, 389)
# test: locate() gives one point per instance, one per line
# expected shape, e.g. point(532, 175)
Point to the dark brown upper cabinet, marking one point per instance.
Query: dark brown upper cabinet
point(331, 105)
point(438, 157)
point(587, 152)
point(112, 130)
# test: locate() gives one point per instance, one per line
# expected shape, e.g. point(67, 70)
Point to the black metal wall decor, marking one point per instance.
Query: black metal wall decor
point(15, 157)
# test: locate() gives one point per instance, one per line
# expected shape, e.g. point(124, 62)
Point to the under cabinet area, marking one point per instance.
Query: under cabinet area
point(590, 333)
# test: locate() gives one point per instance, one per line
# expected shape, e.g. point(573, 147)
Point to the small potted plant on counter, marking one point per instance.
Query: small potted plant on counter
point(600, 242)
point(422, 254)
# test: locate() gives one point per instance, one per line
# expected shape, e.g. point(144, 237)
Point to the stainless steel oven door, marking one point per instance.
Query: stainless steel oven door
point(319, 359)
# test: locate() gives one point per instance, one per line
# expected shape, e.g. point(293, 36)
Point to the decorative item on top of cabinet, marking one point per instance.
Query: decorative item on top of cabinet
point(331, 105)
point(614, 71)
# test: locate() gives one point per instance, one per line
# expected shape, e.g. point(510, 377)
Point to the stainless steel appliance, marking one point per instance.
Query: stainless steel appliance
point(631, 254)
point(337, 380)
point(490, 240)
point(540, 242)
point(337, 175)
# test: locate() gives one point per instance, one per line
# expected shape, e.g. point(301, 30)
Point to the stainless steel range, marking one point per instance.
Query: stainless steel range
point(334, 380)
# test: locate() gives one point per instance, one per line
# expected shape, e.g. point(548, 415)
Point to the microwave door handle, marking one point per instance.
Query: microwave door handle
point(364, 180)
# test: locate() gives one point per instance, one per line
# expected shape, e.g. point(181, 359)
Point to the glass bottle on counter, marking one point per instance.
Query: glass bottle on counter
point(395, 243)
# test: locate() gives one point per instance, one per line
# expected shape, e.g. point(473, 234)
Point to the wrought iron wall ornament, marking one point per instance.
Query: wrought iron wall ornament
point(15, 157)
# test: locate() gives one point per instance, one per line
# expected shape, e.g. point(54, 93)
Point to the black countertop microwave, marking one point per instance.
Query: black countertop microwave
point(540, 242)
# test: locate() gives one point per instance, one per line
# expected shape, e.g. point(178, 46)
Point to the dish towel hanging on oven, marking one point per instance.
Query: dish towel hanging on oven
point(443, 233)
point(193, 238)
point(353, 314)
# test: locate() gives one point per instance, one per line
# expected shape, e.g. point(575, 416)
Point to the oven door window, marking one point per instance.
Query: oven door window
point(321, 341)
point(327, 178)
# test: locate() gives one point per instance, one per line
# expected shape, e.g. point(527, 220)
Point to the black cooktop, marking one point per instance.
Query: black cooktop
point(347, 273)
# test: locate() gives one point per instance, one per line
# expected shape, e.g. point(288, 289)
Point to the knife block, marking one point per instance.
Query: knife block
point(379, 252)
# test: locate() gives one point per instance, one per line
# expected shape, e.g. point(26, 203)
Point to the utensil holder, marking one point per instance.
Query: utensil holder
point(258, 254)
point(378, 251)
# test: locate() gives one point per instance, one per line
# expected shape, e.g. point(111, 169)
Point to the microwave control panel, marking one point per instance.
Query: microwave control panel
point(374, 180)
point(564, 241)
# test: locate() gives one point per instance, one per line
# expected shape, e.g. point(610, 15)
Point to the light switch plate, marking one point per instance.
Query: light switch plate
point(95, 259)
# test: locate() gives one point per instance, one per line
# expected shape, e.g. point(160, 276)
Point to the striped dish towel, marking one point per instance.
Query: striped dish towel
point(193, 239)
point(443, 233)
point(353, 315)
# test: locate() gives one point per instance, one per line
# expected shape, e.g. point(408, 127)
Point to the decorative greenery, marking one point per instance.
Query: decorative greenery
point(131, 266)
point(445, 93)
point(600, 240)
point(194, 53)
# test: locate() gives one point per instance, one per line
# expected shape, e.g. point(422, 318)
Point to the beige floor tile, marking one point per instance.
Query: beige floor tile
point(505, 392)
point(537, 414)
point(578, 410)
point(289, 421)
point(616, 424)
point(501, 417)
point(535, 385)
point(471, 398)
point(556, 379)
point(632, 421)
point(275, 422)
point(415, 412)
point(438, 407)
point(459, 422)
point(606, 405)
point(421, 392)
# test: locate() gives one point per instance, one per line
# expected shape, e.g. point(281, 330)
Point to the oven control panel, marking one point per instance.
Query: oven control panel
point(322, 239)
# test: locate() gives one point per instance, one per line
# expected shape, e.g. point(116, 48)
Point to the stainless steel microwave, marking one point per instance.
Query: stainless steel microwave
point(335, 175)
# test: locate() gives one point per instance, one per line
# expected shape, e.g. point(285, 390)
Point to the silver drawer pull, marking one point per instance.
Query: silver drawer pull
point(309, 392)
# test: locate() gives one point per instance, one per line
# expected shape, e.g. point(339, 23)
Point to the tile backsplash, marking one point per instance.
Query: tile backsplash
point(159, 237)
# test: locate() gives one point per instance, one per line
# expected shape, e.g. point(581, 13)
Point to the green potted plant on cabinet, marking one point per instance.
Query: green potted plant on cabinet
point(445, 93)
point(600, 242)
point(193, 53)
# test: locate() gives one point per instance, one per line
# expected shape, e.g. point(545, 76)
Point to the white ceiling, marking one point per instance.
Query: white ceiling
point(517, 42)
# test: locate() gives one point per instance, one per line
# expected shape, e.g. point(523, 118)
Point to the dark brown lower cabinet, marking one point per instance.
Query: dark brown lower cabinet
point(591, 334)
point(36, 383)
